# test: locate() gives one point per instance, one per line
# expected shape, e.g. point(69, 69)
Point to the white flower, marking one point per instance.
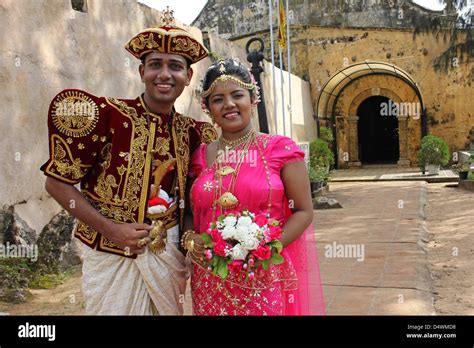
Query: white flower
point(250, 242)
point(254, 229)
point(241, 233)
point(228, 232)
point(230, 221)
point(244, 221)
point(238, 252)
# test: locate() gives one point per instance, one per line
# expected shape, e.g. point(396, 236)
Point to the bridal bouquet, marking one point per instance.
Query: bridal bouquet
point(242, 242)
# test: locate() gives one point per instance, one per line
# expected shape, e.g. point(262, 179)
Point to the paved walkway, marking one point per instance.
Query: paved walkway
point(391, 173)
point(385, 220)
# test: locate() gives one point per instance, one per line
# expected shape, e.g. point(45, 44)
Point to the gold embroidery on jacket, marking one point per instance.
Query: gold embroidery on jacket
point(208, 133)
point(124, 207)
point(148, 162)
point(180, 132)
point(70, 169)
point(162, 146)
point(105, 185)
point(74, 114)
point(85, 233)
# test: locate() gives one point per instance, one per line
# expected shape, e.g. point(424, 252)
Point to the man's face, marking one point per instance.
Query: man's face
point(165, 76)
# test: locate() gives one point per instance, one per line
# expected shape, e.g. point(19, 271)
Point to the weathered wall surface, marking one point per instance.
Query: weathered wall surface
point(234, 18)
point(448, 96)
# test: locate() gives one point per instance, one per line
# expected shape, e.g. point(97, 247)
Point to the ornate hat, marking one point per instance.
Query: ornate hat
point(166, 39)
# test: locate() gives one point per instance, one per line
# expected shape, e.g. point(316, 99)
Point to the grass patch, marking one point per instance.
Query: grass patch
point(52, 280)
point(17, 275)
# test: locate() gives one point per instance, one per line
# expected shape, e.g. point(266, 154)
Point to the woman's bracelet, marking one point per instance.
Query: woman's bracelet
point(185, 237)
point(194, 255)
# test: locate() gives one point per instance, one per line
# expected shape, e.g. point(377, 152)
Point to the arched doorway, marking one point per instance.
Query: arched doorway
point(346, 99)
point(377, 132)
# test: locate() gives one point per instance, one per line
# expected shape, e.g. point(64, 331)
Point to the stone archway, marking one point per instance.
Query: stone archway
point(343, 95)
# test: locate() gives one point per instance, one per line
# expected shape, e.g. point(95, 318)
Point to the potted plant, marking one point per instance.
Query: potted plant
point(320, 154)
point(321, 159)
point(433, 153)
point(466, 160)
point(317, 177)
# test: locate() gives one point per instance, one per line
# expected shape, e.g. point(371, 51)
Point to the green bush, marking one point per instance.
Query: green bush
point(318, 173)
point(326, 135)
point(320, 154)
point(434, 150)
point(15, 275)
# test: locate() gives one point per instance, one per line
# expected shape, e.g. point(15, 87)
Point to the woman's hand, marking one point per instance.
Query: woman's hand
point(196, 248)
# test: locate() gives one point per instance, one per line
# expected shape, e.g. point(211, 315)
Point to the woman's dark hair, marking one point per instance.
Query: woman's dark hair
point(228, 66)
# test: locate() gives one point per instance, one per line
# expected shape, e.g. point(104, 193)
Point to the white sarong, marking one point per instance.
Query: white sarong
point(151, 284)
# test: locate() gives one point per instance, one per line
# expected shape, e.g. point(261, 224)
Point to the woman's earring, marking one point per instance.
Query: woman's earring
point(254, 114)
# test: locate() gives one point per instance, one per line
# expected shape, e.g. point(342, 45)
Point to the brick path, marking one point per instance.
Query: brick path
point(387, 220)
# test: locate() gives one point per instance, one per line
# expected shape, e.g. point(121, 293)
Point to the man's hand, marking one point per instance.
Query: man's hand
point(127, 236)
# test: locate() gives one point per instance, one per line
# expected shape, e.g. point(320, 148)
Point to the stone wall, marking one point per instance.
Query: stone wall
point(234, 18)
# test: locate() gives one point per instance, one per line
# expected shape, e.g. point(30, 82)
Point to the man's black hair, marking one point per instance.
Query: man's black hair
point(188, 61)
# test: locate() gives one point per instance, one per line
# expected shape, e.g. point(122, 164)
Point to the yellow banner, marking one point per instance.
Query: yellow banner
point(282, 28)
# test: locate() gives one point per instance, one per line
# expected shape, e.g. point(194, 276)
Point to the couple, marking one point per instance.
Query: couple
point(150, 185)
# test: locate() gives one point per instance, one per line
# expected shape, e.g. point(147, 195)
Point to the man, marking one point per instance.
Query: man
point(117, 149)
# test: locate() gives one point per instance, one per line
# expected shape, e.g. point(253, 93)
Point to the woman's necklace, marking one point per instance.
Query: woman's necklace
point(225, 145)
point(236, 142)
point(228, 200)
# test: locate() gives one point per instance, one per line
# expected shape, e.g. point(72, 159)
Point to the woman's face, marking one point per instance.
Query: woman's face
point(230, 106)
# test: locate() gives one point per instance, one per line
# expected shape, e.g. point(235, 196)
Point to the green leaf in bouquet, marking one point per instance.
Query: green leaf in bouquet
point(275, 223)
point(221, 218)
point(277, 259)
point(207, 239)
point(222, 269)
point(266, 264)
point(214, 261)
point(276, 244)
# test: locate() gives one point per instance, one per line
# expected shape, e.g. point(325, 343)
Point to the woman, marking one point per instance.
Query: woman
point(266, 174)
